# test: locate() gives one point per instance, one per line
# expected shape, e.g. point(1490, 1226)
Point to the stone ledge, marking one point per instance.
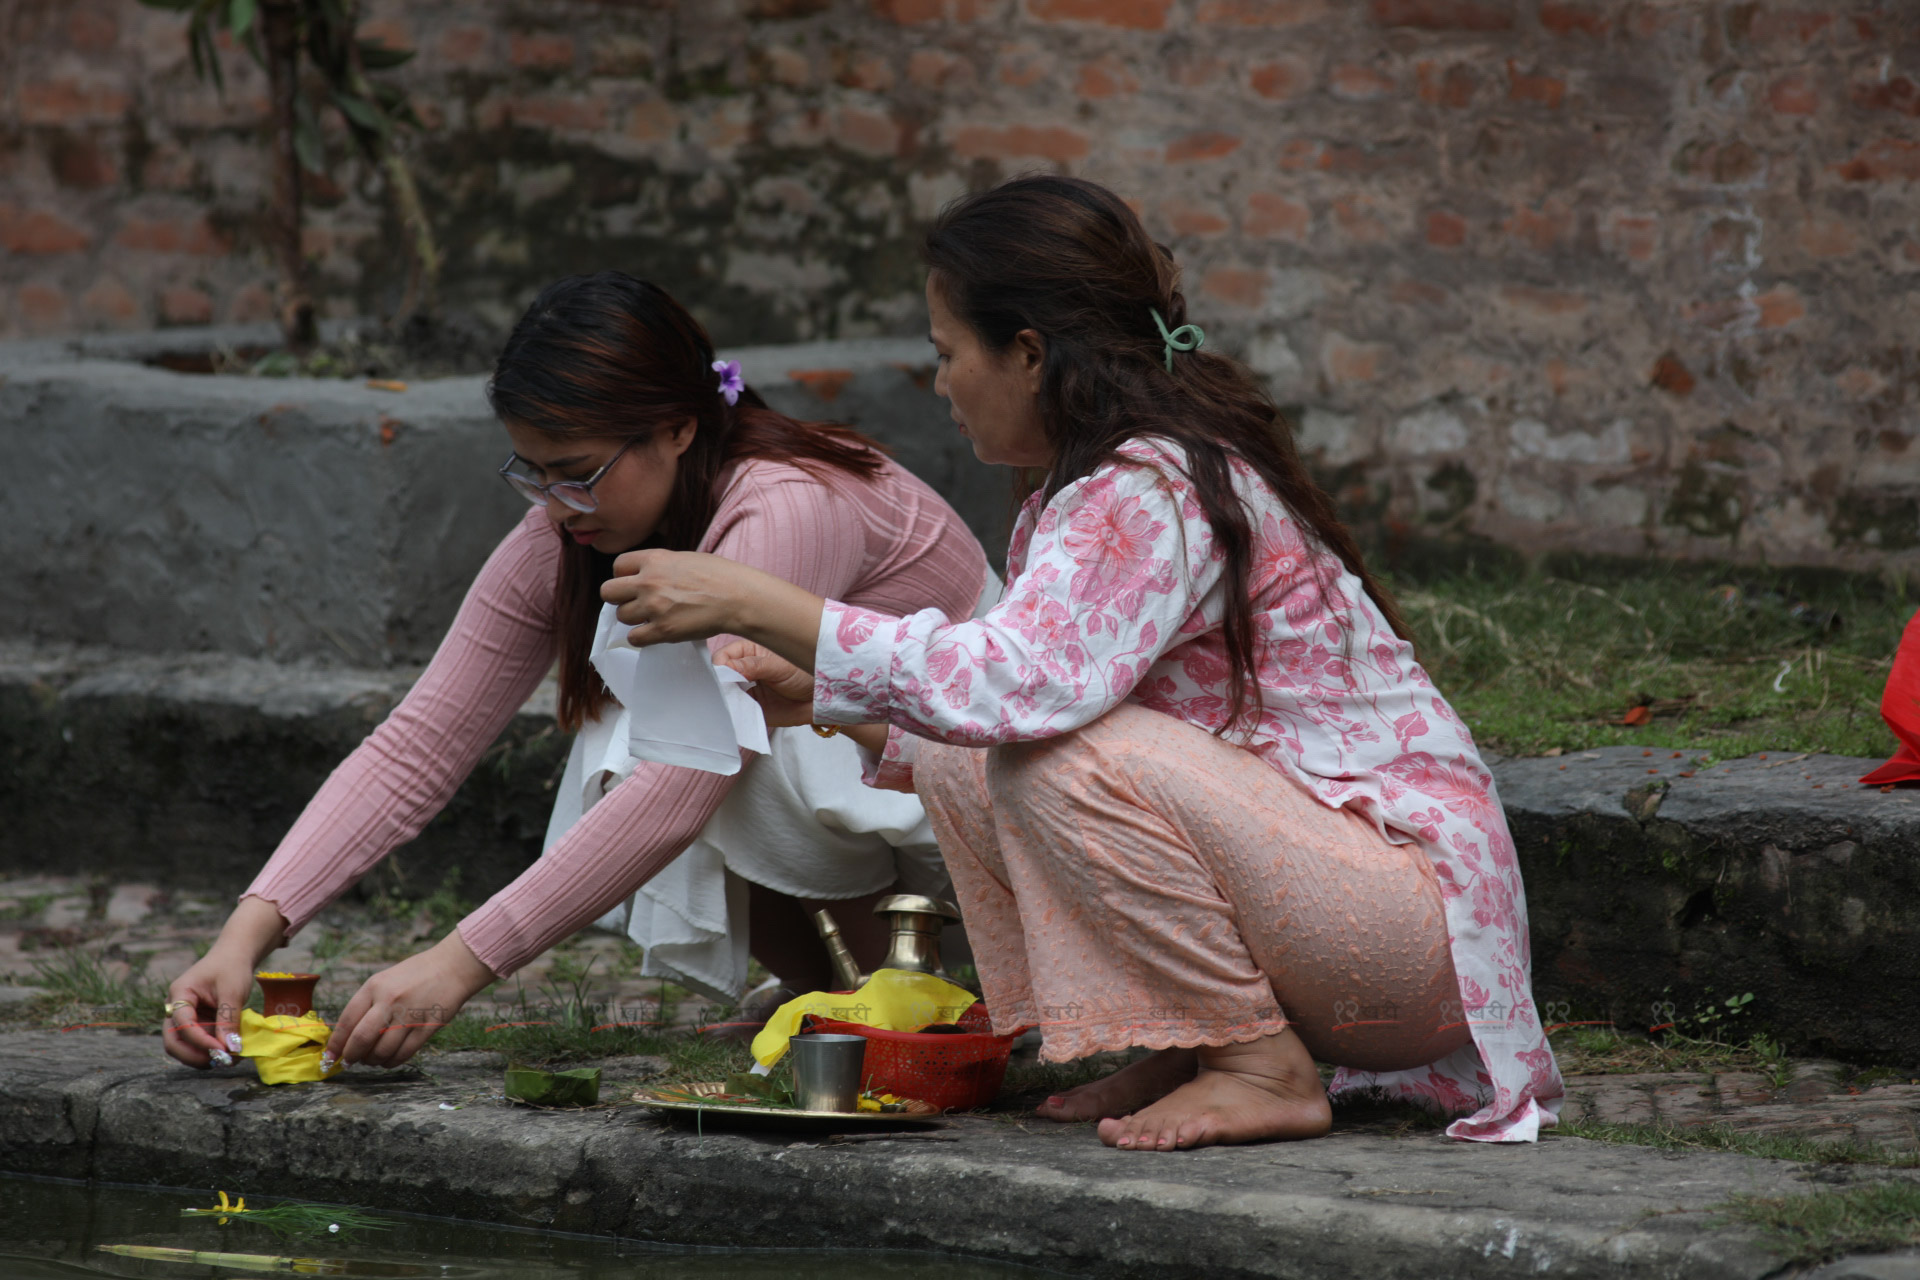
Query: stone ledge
point(187, 769)
point(1651, 879)
point(325, 520)
point(1358, 1203)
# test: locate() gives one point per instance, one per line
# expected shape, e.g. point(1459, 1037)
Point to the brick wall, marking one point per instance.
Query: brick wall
point(1622, 276)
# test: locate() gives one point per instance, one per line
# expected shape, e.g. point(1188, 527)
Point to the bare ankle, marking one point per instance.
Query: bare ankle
point(1281, 1058)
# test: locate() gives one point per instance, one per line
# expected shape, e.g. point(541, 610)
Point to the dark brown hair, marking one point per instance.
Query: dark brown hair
point(1068, 259)
point(610, 357)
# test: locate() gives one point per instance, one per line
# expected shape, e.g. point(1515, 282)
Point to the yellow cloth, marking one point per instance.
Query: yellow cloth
point(285, 1050)
point(892, 1000)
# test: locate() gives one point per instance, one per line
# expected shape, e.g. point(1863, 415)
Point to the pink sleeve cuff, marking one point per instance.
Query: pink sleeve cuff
point(853, 665)
point(892, 769)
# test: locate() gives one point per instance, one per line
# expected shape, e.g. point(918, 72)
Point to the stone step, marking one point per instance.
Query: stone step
point(330, 520)
point(1658, 886)
point(186, 770)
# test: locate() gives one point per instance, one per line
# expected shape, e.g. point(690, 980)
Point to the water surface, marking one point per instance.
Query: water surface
point(50, 1229)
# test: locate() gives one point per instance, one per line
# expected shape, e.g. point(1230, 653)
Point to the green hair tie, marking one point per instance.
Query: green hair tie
point(1187, 337)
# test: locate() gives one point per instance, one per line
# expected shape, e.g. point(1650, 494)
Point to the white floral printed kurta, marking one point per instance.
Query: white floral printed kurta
point(1115, 593)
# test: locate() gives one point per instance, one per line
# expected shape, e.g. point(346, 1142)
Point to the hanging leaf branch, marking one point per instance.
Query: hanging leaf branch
point(285, 37)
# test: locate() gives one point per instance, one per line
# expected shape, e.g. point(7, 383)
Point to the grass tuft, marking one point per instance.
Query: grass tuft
point(1721, 1137)
point(1535, 661)
point(80, 986)
point(1605, 1051)
point(1827, 1224)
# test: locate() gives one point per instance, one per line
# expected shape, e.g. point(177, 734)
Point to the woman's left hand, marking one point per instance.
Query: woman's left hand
point(784, 691)
point(667, 596)
point(398, 1009)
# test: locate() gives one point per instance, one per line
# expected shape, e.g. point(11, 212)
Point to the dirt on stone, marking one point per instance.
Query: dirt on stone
point(448, 346)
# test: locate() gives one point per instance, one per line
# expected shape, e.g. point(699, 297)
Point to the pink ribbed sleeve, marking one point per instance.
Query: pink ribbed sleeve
point(500, 645)
point(891, 545)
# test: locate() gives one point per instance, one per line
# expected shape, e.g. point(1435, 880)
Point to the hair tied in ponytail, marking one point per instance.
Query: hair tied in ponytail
point(1187, 337)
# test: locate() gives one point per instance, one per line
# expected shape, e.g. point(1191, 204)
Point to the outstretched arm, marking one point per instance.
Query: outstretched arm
point(500, 644)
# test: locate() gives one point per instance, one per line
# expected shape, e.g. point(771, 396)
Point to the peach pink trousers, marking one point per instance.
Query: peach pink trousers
point(1140, 882)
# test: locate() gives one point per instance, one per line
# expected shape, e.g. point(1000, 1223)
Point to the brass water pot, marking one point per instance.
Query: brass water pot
point(916, 922)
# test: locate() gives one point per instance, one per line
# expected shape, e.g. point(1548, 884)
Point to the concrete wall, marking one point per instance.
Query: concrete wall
point(1616, 274)
point(317, 520)
point(299, 519)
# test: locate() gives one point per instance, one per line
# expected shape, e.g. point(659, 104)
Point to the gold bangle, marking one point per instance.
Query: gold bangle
point(826, 730)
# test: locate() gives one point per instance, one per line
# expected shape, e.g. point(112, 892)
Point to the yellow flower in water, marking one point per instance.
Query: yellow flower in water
point(222, 1210)
point(273, 975)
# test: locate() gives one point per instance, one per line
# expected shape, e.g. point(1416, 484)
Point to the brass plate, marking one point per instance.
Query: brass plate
point(919, 1113)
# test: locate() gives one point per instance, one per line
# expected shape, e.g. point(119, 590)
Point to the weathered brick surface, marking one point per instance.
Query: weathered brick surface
point(1647, 262)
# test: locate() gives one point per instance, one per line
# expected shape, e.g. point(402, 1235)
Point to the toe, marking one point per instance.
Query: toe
point(1196, 1131)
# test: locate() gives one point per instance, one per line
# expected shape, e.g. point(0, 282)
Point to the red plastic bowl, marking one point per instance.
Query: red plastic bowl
point(954, 1071)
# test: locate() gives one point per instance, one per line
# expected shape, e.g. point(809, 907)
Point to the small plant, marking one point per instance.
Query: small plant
point(315, 59)
point(80, 985)
point(332, 943)
point(433, 916)
point(1770, 1056)
point(1596, 1041)
point(27, 908)
point(1712, 1019)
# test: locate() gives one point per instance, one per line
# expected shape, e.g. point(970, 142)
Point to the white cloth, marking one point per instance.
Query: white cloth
point(678, 707)
point(798, 820)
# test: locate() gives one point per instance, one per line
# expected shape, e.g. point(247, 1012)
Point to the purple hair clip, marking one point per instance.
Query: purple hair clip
point(731, 383)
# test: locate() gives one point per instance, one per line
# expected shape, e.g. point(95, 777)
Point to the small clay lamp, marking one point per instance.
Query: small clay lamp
point(288, 994)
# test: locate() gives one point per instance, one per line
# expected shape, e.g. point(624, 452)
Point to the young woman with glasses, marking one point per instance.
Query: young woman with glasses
point(1195, 792)
point(626, 433)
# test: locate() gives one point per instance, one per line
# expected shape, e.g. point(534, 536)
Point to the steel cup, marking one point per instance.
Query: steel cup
point(827, 1071)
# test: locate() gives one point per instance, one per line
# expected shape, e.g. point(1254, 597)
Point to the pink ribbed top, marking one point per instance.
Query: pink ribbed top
point(892, 545)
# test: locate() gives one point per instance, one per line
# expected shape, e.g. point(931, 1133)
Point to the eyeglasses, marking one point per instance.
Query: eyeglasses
point(577, 494)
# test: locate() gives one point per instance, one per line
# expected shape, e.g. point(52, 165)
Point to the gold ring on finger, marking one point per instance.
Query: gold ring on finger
point(174, 1006)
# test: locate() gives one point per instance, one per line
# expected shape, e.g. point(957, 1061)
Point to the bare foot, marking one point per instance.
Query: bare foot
point(1267, 1089)
point(1124, 1091)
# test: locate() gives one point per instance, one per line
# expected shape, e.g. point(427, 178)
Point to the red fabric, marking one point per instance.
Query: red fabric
point(1900, 708)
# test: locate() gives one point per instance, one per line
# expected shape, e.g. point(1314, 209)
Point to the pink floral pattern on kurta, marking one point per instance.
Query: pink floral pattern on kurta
point(1115, 593)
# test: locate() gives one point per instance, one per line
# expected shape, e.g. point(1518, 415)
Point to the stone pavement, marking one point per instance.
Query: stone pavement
point(142, 928)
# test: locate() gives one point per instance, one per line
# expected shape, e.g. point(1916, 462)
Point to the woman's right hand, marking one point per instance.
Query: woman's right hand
point(784, 691)
point(205, 1029)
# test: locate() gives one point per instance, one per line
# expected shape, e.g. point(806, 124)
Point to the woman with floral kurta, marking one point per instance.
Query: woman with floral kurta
point(1194, 790)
